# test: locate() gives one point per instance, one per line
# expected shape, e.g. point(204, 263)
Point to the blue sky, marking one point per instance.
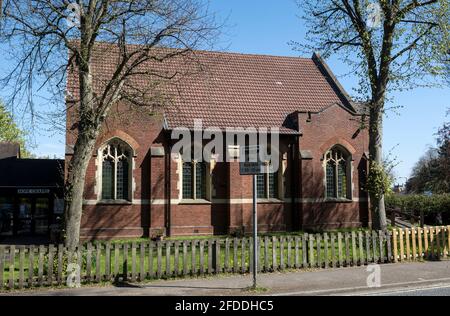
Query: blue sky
point(266, 27)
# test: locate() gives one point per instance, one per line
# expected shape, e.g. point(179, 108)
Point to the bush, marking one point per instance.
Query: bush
point(436, 207)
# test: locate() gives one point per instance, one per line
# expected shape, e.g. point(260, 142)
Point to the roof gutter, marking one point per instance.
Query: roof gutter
point(323, 67)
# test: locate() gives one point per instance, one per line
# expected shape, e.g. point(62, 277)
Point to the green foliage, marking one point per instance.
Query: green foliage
point(10, 132)
point(432, 171)
point(379, 182)
point(432, 206)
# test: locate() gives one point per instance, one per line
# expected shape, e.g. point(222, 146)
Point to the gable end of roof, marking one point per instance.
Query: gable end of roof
point(326, 71)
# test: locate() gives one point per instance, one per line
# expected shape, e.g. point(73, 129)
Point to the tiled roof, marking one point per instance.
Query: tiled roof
point(239, 90)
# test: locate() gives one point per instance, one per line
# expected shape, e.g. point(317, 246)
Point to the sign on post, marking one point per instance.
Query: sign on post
point(249, 160)
point(250, 164)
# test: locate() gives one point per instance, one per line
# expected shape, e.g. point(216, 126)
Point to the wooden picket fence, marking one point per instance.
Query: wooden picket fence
point(36, 266)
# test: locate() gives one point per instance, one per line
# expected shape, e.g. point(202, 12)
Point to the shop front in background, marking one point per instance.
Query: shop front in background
point(29, 212)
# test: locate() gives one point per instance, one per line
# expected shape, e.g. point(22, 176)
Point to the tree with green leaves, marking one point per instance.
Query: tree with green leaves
point(10, 132)
point(57, 37)
point(390, 45)
point(432, 171)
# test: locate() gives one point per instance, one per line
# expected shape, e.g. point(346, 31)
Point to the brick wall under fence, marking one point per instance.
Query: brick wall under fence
point(52, 265)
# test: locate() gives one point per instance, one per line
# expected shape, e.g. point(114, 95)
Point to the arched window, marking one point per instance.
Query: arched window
point(337, 172)
point(116, 170)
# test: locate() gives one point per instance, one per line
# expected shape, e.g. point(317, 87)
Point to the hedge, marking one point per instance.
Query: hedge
point(436, 207)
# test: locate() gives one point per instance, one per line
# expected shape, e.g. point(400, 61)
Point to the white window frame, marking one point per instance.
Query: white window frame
point(347, 157)
point(113, 143)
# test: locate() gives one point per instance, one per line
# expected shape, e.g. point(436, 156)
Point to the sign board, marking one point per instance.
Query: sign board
point(250, 162)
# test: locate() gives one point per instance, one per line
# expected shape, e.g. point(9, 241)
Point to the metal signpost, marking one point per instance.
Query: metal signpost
point(252, 168)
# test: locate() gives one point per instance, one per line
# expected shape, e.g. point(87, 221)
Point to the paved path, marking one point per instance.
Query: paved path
point(395, 278)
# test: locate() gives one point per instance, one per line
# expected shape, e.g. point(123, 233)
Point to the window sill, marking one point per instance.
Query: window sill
point(114, 202)
point(270, 201)
point(197, 201)
point(338, 200)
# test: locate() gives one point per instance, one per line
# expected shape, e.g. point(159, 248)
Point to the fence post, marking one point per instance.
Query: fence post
point(2, 266)
point(318, 247)
point(41, 266)
point(176, 264)
point(347, 249)
point(185, 259)
point(30, 265)
point(333, 250)
point(414, 243)
point(12, 255)
point(289, 255)
point(340, 249)
point(211, 256)
point(151, 273)
point(296, 252)
point(419, 241)
point(361, 248)
point(108, 261)
point(60, 264)
point(274, 253)
point(50, 265)
point(266, 254)
point(354, 253)
point(159, 259)
point(202, 257)
point(218, 267)
point(227, 255)
point(168, 271)
point(235, 255)
point(141, 261)
point(394, 245)
point(389, 246)
point(88, 261)
point(116, 260)
point(311, 251)
point(402, 248)
point(304, 250)
point(98, 260)
point(408, 249)
point(243, 255)
point(193, 257)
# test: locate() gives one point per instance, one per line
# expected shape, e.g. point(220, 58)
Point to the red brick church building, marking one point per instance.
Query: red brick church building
point(136, 187)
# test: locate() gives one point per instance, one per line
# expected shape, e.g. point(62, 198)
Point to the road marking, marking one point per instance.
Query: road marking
point(345, 289)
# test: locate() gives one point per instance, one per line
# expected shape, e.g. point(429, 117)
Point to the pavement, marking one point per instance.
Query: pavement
point(419, 278)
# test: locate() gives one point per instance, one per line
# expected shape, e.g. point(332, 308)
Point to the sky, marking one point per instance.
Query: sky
point(266, 27)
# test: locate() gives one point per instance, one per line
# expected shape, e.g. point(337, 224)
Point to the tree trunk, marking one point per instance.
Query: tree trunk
point(376, 156)
point(74, 188)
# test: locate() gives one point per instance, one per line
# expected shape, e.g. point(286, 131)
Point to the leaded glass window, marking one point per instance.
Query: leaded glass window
point(187, 181)
point(267, 185)
point(107, 179)
point(337, 163)
point(116, 158)
point(194, 180)
point(261, 186)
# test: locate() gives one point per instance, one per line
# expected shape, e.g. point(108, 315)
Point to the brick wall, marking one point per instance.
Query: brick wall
point(149, 212)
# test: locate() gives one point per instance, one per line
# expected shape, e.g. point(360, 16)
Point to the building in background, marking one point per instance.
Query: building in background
point(31, 194)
